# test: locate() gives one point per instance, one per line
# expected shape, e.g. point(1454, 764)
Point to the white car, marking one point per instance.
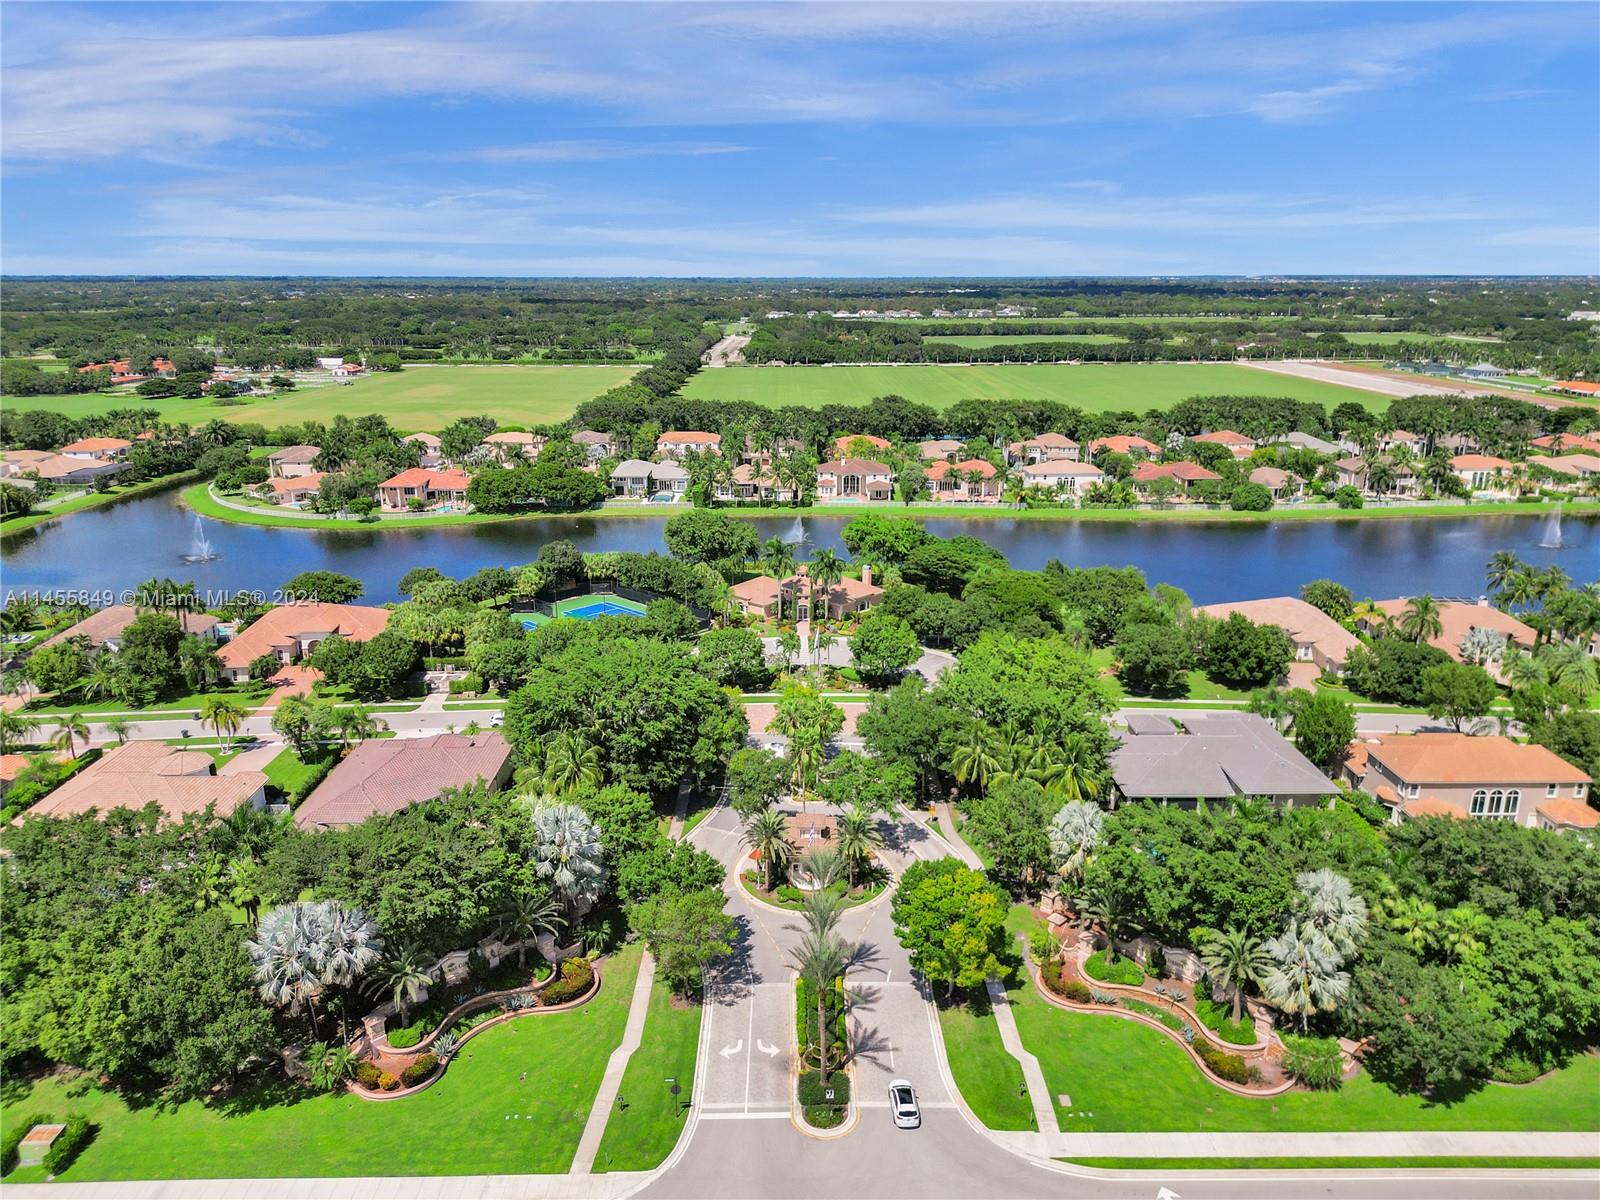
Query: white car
point(497, 720)
point(903, 1104)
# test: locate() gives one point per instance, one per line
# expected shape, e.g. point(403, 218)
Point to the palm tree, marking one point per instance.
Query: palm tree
point(1074, 833)
point(210, 882)
point(19, 615)
point(567, 852)
point(767, 833)
point(572, 762)
point(1305, 975)
point(1414, 919)
point(777, 557)
point(1108, 908)
point(404, 976)
point(1570, 667)
point(524, 918)
point(859, 837)
point(825, 570)
point(1237, 959)
point(820, 959)
point(1367, 612)
point(1333, 909)
point(69, 728)
point(1074, 771)
point(356, 724)
point(303, 948)
point(243, 881)
point(198, 658)
point(1421, 619)
point(1462, 935)
point(821, 909)
point(224, 715)
point(120, 728)
point(972, 760)
point(1272, 704)
point(330, 1066)
point(14, 730)
point(1502, 566)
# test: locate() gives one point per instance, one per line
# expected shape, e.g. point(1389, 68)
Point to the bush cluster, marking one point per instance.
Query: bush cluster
point(69, 1143)
point(406, 1036)
point(423, 1067)
point(577, 977)
point(12, 1142)
point(368, 1076)
point(1314, 1061)
point(819, 1110)
point(1124, 970)
point(388, 1082)
point(1073, 989)
point(1222, 1064)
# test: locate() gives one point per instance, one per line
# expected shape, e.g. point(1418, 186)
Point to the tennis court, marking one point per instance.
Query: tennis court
point(587, 608)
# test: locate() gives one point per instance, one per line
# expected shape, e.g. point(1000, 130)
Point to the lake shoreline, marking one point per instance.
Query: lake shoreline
point(200, 499)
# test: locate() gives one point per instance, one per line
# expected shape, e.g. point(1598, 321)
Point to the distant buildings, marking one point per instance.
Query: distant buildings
point(854, 479)
point(430, 488)
point(105, 627)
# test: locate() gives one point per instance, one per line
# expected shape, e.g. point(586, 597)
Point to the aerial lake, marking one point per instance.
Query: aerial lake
point(114, 548)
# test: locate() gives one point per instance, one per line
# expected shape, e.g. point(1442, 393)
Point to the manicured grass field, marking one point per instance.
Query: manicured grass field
point(418, 398)
point(1131, 1077)
point(1394, 337)
point(1200, 687)
point(289, 773)
point(1093, 387)
point(514, 1102)
point(988, 1077)
point(1022, 339)
point(640, 1135)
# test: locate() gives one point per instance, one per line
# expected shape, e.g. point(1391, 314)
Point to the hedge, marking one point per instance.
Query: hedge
point(1315, 1062)
point(1073, 989)
point(12, 1142)
point(1124, 970)
point(577, 977)
point(368, 1076)
point(819, 1110)
point(1222, 1064)
point(424, 1066)
point(69, 1143)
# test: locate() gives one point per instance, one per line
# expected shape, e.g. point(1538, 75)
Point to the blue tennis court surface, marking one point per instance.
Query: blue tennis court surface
point(602, 608)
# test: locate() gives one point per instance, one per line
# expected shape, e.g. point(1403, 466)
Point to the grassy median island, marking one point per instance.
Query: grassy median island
point(639, 1136)
point(514, 1101)
point(989, 1079)
point(1124, 1076)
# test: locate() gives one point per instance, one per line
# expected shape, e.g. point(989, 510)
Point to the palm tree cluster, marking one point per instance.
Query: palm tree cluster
point(562, 765)
point(822, 956)
point(568, 852)
point(985, 757)
point(304, 948)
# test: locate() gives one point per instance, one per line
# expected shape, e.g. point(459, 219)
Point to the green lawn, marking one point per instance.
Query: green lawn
point(514, 1102)
point(248, 696)
point(1394, 337)
point(1131, 1077)
point(417, 398)
point(643, 1133)
point(1094, 387)
point(1200, 687)
point(290, 773)
point(989, 1079)
point(979, 341)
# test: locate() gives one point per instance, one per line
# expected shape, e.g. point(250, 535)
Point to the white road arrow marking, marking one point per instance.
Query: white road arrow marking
point(1167, 1193)
point(730, 1051)
point(762, 1046)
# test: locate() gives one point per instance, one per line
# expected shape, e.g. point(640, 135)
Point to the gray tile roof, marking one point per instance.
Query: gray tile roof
point(1219, 755)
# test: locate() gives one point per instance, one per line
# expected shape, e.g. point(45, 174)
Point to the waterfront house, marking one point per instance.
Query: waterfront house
point(1317, 638)
point(937, 448)
point(98, 449)
point(1236, 443)
point(105, 627)
point(761, 595)
point(1562, 443)
point(295, 491)
point(977, 481)
point(1458, 620)
point(435, 488)
point(854, 479)
point(293, 461)
point(1355, 472)
point(1132, 445)
point(637, 478)
point(753, 482)
point(1284, 485)
point(1184, 474)
point(1063, 477)
point(430, 450)
point(1573, 470)
point(1399, 438)
point(1482, 472)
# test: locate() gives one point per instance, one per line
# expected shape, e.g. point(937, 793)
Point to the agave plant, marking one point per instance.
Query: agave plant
point(444, 1045)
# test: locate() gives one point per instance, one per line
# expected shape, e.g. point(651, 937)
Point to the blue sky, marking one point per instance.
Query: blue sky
point(800, 139)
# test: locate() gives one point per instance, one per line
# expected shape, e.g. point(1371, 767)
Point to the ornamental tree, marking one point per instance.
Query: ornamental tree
point(952, 921)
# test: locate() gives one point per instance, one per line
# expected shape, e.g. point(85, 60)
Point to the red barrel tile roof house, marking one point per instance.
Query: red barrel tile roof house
point(292, 631)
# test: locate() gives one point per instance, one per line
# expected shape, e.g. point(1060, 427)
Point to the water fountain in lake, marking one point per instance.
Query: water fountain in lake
point(797, 535)
point(1550, 539)
point(200, 550)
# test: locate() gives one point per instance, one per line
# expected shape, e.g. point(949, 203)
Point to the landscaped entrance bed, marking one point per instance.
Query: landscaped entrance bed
point(514, 1102)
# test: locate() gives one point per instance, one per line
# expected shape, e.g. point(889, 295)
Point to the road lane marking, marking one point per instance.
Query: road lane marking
point(730, 1051)
point(779, 1115)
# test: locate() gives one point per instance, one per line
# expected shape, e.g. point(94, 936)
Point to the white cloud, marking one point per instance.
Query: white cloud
point(594, 150)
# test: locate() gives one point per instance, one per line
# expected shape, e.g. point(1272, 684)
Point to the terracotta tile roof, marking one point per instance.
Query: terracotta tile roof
point(301, 483)
point(1573, 813)
point(280, 627)
point(855, 466)
point(1056, 467)
point(1480, 462)
point(1567, 441)
point(1355, 758)
point(1571, 464)
point(387, 775)
point(1431, 806)
point(1459, 758)
point(108, 623)
point(1304, 623)
point(295, 454)
point(940, 469)
point(1123, 443)
point(139, 773)
point(1188, 472)
point(1578, 385)
point(434, 481)
point(515, 437)
point(842, 442)
point(1225, 437)
point(93, 445)
point(589, 437)
point(1049, 440)
point(685, 437)
point(1272, 477)
point(1458, 619)
point(939, 447)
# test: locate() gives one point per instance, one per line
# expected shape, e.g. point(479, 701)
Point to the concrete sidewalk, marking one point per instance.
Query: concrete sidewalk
point(606, 1098)
point(1044, 1112)
point(952, 835)
point(610, 1186)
